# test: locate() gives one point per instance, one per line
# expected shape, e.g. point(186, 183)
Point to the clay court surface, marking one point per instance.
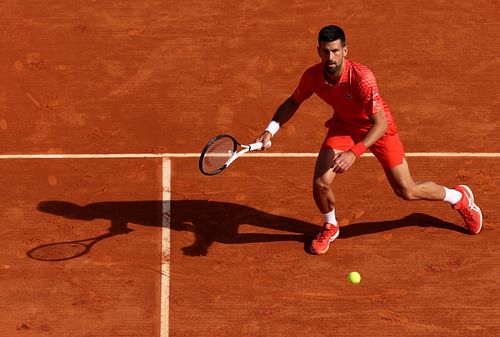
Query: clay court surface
point(104, 107)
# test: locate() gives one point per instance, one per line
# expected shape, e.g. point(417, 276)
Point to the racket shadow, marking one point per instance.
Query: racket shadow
point(65, 250)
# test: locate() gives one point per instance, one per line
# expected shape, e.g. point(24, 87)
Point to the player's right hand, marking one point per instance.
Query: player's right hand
point(343, 161)
point(265, 139)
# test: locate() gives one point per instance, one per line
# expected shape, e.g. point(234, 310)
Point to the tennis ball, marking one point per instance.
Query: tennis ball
point(354, 277)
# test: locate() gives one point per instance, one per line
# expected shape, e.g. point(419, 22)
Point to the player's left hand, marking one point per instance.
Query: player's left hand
point(343, 161)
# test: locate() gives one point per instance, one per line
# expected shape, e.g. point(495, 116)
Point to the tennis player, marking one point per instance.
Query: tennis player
point(361, 120)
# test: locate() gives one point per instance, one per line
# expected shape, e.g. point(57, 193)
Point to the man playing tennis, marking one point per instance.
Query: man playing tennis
point(361, 121)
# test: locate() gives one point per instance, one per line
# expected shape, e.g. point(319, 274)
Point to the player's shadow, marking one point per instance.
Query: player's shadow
point(209, 221)
point(214, 221)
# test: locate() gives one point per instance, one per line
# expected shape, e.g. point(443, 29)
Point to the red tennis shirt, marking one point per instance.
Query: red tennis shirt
point(354, 98)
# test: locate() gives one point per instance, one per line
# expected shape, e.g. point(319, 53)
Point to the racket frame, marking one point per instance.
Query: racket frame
point(235, 155)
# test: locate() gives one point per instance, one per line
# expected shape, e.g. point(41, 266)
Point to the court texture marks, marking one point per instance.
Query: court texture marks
point(105, 106)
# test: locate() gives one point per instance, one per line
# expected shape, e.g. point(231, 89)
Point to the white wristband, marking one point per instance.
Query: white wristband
point(273, 127)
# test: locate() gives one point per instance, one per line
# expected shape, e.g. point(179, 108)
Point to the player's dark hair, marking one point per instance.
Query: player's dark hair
point(331, 33)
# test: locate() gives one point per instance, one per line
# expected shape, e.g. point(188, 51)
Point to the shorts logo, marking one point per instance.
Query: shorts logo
point(348, 95)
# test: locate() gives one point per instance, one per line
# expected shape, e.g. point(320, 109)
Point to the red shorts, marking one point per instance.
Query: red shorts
point(388, 150)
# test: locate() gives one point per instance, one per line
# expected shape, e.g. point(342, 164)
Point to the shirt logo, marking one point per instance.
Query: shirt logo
point(348, 95)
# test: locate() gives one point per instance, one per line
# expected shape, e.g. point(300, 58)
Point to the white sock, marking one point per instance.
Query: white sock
point(451, 196)
point(330, 217)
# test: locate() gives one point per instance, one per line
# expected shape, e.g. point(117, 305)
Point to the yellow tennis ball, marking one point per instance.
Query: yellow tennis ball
point(354, 277)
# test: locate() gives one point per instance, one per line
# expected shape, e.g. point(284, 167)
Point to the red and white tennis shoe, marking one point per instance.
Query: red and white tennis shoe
point(321, 242)
point(468, 209)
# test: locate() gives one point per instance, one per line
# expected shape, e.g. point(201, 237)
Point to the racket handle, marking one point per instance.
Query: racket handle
point(256, 146)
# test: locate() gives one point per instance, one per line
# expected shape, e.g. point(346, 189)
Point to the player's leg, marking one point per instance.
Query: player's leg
point(389, 151)
point(322, 181)
point(336, 141)
point(460, 197)
point(402, 183)
point(325, 201)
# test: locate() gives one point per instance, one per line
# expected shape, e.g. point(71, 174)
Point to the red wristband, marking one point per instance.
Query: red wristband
point(358, 149)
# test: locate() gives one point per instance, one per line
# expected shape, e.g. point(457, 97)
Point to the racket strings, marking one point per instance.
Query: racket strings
point(217, 154)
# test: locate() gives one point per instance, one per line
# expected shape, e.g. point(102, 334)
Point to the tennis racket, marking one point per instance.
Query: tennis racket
point(221, 151)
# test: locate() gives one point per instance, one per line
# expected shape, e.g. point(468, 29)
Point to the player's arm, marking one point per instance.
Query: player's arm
point(282, 115)
point(377, 130)
point(345, 160)
point(285, 111)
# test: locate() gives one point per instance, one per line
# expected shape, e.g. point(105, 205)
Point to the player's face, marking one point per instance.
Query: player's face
point(332, 55)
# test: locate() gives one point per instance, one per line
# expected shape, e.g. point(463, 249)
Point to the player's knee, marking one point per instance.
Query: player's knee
point(319, 186)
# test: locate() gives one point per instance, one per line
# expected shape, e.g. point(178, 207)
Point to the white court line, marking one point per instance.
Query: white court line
point(253, 154)
point(165, 249)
